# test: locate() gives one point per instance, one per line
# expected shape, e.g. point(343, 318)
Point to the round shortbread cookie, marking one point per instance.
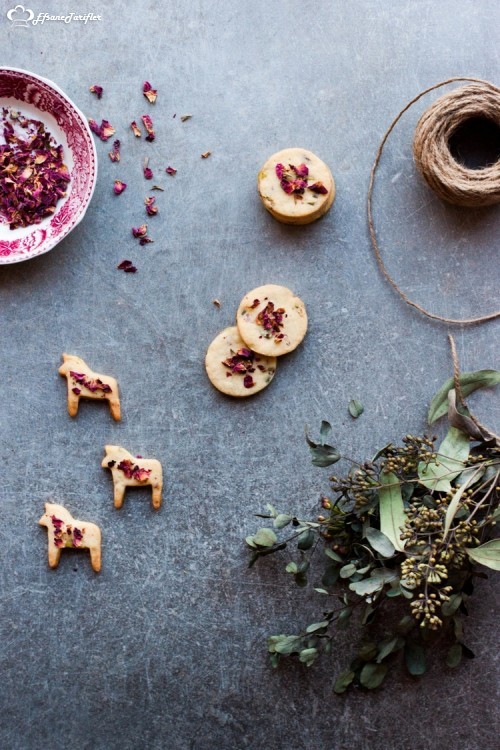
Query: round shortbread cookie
point(271, 320)
point(234, 369)
point(295, 186)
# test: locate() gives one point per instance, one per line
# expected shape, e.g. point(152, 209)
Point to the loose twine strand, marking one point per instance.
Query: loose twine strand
point(447, 175)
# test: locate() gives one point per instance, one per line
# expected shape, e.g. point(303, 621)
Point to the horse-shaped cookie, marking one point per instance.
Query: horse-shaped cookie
point(132, 471)
point(66, 531)
point(84, 383)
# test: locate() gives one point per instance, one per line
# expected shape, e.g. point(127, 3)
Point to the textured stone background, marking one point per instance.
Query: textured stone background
point(166, 648)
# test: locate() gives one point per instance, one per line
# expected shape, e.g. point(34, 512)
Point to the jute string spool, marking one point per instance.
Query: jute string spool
point(449, 179)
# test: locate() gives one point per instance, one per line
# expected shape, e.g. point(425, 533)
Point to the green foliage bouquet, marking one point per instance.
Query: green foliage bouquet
point(401, 536)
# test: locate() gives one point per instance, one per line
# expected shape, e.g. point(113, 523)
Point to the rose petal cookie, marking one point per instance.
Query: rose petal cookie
point(85, 383)
point(132, 471)
point(66, 531)
point(295, 186)
point(271, 320)
point(234, 369)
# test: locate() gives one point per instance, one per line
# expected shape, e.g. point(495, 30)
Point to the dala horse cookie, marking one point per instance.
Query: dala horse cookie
point(132, 471)
point(84, 383)
point(64, 531)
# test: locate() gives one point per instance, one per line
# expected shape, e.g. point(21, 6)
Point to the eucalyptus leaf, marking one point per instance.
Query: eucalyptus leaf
point(324, 455)
point(367, 586)
point(372, 675)
point(343, 681)
point(380, 542)
point(249, 540)
point(291, 567)
point(308, 656)
point(288, 644)
point(265, 538)
point(415, 658)
point(356, 408)
point(388, 646)
point(333, 555)
point(325, 430)
point(306, 539)
point(314, 626)
point(466, 423)
point(391, 508)
point(282, 520)
point(469, 382)
point(452, 454)
point(321, 591)
point(454, 655)
point(344, 617)
point(455, 503)
point(487, 554)
point(347, 570)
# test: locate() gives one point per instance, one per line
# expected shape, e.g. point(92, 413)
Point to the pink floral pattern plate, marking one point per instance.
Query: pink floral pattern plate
point(40, 99)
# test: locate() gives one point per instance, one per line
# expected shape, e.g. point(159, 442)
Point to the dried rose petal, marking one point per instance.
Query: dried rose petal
point(77, 537)
point(114, 155)
point(171, 170)
point(301, 171)
point(151, 209)
point(132, 471)
point(148, 124)
point(33, 176)
point(149, 92)
point(279, 169)
point(127, 266)
point(145, 240)
point(248, 381)
point(92, 385)
point(140, 231)
point(105, 130)
point(206, 155)
point(136, 130)
point(119, 187)
point(97, 90)
point(318, 187)
point(76, 391)
point(148, 173)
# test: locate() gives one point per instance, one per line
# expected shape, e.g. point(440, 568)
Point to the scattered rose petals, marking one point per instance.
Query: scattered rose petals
point(171, 170)
point(91, 385)
point(185, 117)
point(206, 154)
point(33, 176)
point(127, 266)
point(119, 187)
point(105, 130)
point(248, 381)
point(97, 90)
point(135, 128)
point(148, 173)
point(145, 240)
point(149, 92)
point(149, 202)
point(140, 231)
point(148, 124)
point(114, 155)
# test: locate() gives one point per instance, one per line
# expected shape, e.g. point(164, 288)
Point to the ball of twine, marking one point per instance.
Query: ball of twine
point(450, 180)
point(493, 92)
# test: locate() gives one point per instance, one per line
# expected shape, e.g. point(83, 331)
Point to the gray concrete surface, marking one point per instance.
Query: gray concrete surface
point(165, 649)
